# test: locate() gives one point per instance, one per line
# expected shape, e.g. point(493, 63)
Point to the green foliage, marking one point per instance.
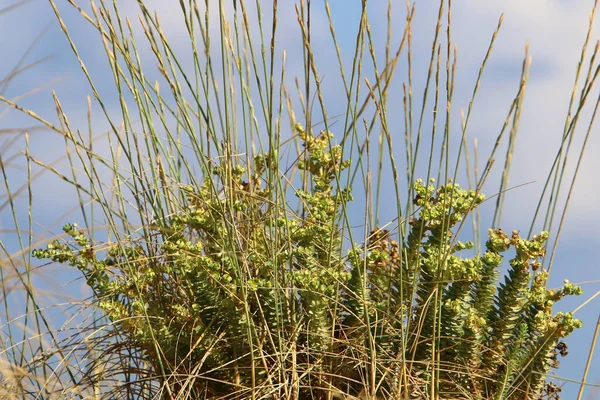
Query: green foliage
point(244, 295)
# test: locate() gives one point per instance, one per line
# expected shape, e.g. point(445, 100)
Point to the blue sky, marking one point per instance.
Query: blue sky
point(555, 31)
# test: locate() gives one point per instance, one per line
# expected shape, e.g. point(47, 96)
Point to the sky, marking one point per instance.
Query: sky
point(555, 31)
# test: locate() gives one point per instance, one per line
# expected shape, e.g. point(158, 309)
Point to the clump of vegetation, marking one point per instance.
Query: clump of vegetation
point(237, 296)
point(221, 269)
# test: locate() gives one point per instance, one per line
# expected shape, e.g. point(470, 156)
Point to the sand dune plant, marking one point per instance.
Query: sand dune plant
point(235, 295)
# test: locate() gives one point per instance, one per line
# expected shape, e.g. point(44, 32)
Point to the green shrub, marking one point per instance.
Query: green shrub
point(238, 296)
